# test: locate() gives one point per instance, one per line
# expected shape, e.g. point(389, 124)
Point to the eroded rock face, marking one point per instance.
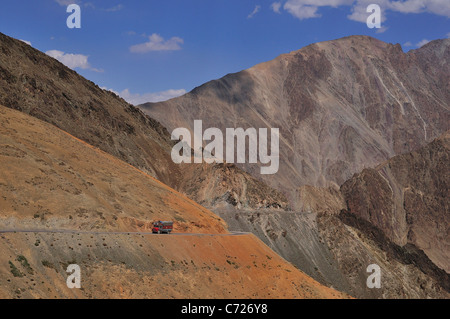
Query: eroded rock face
point(341, 106)
point(406, 272)
point(394, 215)
point(406, 198)
point(225, 185)
point(319, 199)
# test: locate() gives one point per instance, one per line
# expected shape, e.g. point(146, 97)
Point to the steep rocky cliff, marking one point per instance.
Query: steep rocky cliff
point(406, 198)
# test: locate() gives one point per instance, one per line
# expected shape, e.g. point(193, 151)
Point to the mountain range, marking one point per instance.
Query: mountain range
point(340, 105)
point(363, 178)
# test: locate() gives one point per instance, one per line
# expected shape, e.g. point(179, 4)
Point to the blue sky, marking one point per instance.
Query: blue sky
point(148, 50)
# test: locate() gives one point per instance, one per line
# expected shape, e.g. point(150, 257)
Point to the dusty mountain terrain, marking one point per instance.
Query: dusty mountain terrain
point(226, 186)
point(355, 247)
point(395, 215)
point(343, 106)
point(336, 252)
point(295, 237)
point(122, 266)
point(51, 180)
point(331, 128)
point(36, 84)
point(340, 105)
point(407, 198)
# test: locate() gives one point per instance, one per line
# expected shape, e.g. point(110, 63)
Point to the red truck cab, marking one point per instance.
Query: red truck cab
point(161, 227)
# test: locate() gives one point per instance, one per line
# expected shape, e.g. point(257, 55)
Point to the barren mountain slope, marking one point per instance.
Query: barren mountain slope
point(50, 180)
point(36, 84)
point(340, 105)
point(395, 216)
point(405, 271)
point(337, 253)
point(123, 266)
point(407, 198)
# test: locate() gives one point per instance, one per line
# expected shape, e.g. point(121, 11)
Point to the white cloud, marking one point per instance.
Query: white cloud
point(157, 43)
point(439, 7)
point(276, 6)
point(359, 10)
point(136, 98)
point(72, 60)
point(25, 41)
point(448, 35)
point(65, 3)
point(255, 11)
point(90, 5)
point(417, 45)
point(115, 8)
point(305, 9)
point(383, 29)
point(301, 11)
point(422, 43)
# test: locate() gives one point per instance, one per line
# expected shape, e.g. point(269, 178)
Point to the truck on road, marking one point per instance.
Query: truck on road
point(161, 227)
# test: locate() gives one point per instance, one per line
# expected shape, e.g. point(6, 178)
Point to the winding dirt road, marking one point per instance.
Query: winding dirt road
point(71, 231)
